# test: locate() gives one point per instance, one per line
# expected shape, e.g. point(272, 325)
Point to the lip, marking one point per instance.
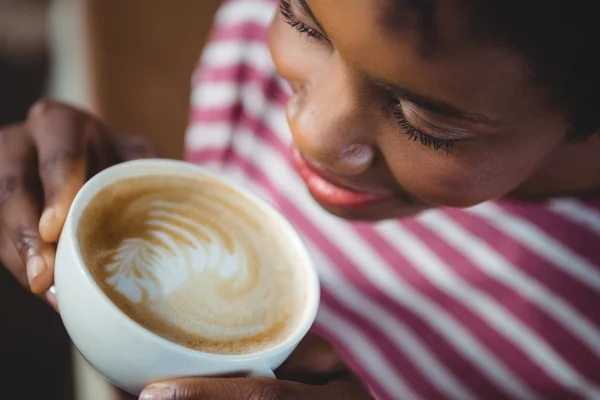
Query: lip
point(330, 193)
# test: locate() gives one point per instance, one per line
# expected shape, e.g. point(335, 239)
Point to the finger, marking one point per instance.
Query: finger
point(245, 388)
point(9, 258)
point(19, 215)
point(50, 298)
point(19, 212)
point(60, 136)
point(16, 156)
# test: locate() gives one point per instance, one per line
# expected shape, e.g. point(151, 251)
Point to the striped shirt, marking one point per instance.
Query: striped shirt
point(499, 301)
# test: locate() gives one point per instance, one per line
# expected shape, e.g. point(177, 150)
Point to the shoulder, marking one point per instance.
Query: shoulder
point(239, 36)
point(235, 87)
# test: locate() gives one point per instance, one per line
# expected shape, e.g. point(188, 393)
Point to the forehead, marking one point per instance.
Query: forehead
point(397, 16)
point(435, 23)
point(430, 25)
point(424, 46)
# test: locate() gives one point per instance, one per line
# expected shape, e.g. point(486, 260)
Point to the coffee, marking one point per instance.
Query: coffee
point(194, 261)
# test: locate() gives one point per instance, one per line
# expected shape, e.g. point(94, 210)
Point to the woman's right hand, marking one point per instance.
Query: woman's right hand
point(44, 161)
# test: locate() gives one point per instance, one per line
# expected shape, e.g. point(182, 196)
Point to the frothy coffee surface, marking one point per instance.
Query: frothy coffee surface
point(193, 261)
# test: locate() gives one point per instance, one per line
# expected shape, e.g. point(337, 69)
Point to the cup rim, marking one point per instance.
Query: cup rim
point(115, 173)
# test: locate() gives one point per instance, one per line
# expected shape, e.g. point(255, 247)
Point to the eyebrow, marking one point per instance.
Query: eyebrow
point(436, 106)
point(308, 10)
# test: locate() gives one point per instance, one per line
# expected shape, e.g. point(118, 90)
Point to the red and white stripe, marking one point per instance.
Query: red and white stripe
point(494, 302)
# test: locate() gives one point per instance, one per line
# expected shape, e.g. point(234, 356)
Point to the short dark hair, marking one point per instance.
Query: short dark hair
point(558, 39)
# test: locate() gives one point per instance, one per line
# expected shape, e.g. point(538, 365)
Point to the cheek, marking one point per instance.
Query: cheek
point(470, 174)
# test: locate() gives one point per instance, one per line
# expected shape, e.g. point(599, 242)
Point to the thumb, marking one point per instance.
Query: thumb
point(249, 388)
point(210, 388)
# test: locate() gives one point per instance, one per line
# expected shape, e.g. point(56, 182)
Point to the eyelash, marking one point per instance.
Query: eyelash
point(291, 20)
point(416, 135)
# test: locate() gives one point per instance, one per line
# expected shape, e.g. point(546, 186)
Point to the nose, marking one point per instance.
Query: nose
point(329, 125)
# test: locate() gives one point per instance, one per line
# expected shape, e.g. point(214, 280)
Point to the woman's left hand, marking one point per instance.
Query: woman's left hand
point(314, 371)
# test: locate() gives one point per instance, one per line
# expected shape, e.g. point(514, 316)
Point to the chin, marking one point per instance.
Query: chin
point(376, 212)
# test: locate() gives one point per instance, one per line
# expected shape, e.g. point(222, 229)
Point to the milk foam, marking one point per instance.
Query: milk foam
point(155, 269)
point(194, 263)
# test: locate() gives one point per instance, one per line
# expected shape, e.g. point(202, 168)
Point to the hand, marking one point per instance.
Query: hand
point(43, 164)
point(314, 371)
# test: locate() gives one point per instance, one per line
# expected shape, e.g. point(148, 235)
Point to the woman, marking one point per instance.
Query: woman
point(467, 128)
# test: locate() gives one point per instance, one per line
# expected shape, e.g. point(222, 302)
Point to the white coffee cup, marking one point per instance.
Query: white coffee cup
point(128, 355)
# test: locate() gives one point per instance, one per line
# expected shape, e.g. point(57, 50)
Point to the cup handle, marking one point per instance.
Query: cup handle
point(261, 371)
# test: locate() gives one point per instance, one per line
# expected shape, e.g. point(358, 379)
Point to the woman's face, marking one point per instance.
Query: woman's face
point(388, 120)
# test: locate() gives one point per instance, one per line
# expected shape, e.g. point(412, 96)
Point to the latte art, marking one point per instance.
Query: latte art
point(193, 261)
point(146, 269)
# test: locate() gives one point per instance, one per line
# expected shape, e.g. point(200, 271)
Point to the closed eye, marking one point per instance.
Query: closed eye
point(290, 18)
point(419, 136)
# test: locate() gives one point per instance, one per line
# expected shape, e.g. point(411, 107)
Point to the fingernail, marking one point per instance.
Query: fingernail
point(51, 297)
point(156, 392)
point(150, 395)
point(47, 217)
point(35, 266)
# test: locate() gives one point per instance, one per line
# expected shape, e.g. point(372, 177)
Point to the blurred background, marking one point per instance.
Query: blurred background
point(129, 62)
